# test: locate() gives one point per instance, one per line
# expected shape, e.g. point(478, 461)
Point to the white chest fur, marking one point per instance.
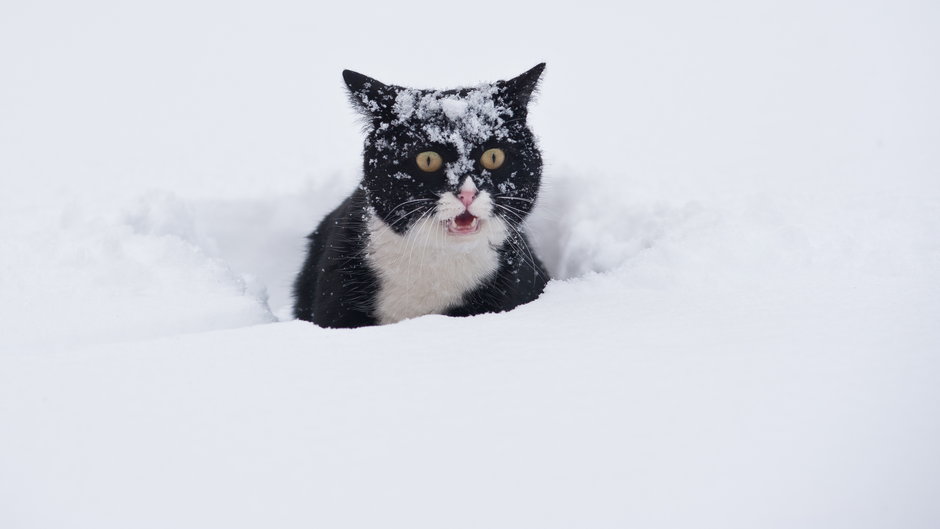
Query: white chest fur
point(427, 270)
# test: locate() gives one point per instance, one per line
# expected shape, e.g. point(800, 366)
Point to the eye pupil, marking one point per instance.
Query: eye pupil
point(493, 158)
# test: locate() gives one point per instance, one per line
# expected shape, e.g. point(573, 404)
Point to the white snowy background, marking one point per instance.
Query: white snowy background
point(741, 208)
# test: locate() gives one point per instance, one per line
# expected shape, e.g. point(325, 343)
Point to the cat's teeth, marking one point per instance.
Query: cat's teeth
point(465, 229)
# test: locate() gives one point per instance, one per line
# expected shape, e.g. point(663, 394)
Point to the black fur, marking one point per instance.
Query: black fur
point(336, 286)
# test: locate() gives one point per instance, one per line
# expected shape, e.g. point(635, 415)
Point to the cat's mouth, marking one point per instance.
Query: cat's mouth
point(463, 224)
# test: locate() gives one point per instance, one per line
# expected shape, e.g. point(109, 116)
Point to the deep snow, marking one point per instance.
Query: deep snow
point(741, 208)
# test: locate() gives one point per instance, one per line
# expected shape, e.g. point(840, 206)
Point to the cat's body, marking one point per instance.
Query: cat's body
point(435, 227)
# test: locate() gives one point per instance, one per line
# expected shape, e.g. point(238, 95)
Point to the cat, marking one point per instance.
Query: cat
point(436, 224)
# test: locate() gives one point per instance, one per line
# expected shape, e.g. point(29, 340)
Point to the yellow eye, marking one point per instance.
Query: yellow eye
point(429, 161)
point(493, 158)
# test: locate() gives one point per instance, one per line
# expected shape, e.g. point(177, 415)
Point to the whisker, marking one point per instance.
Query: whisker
point(507, 197)
point(525, 246)
point(411, 246)
point(510, 208)
point(520, 218)
point(412, 201)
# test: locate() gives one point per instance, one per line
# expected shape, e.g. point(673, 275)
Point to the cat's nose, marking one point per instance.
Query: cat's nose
point(466, 196)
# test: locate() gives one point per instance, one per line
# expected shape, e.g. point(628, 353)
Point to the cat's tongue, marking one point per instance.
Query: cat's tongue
point(464, 221)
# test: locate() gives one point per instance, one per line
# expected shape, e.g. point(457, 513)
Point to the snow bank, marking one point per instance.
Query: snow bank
point(92, 273)
point(157, 264)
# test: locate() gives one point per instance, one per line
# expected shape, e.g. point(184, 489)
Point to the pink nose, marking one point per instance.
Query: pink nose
point(467, 197)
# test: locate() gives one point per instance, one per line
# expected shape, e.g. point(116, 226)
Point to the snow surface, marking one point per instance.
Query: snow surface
point(741, 207)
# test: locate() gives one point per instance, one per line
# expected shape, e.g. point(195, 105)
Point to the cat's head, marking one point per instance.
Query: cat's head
point(460, 162)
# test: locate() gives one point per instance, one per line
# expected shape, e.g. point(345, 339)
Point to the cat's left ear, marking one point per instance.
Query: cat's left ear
point(370, 97)
point(519, 90)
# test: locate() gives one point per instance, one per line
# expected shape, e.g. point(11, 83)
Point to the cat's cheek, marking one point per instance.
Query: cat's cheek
point(496, 231)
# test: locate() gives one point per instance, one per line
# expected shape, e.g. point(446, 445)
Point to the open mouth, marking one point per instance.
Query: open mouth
point(464, 224)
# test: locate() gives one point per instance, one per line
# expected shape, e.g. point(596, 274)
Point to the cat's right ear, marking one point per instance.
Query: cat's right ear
point(370, 97)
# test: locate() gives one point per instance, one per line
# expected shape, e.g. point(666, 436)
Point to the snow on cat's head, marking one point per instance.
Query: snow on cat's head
point(460, 161)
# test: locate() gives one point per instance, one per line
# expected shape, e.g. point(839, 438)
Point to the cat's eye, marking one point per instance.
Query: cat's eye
point(493, 158)
point(429, 161)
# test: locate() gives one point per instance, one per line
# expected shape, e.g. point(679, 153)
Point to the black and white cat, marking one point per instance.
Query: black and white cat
point(435, 226)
